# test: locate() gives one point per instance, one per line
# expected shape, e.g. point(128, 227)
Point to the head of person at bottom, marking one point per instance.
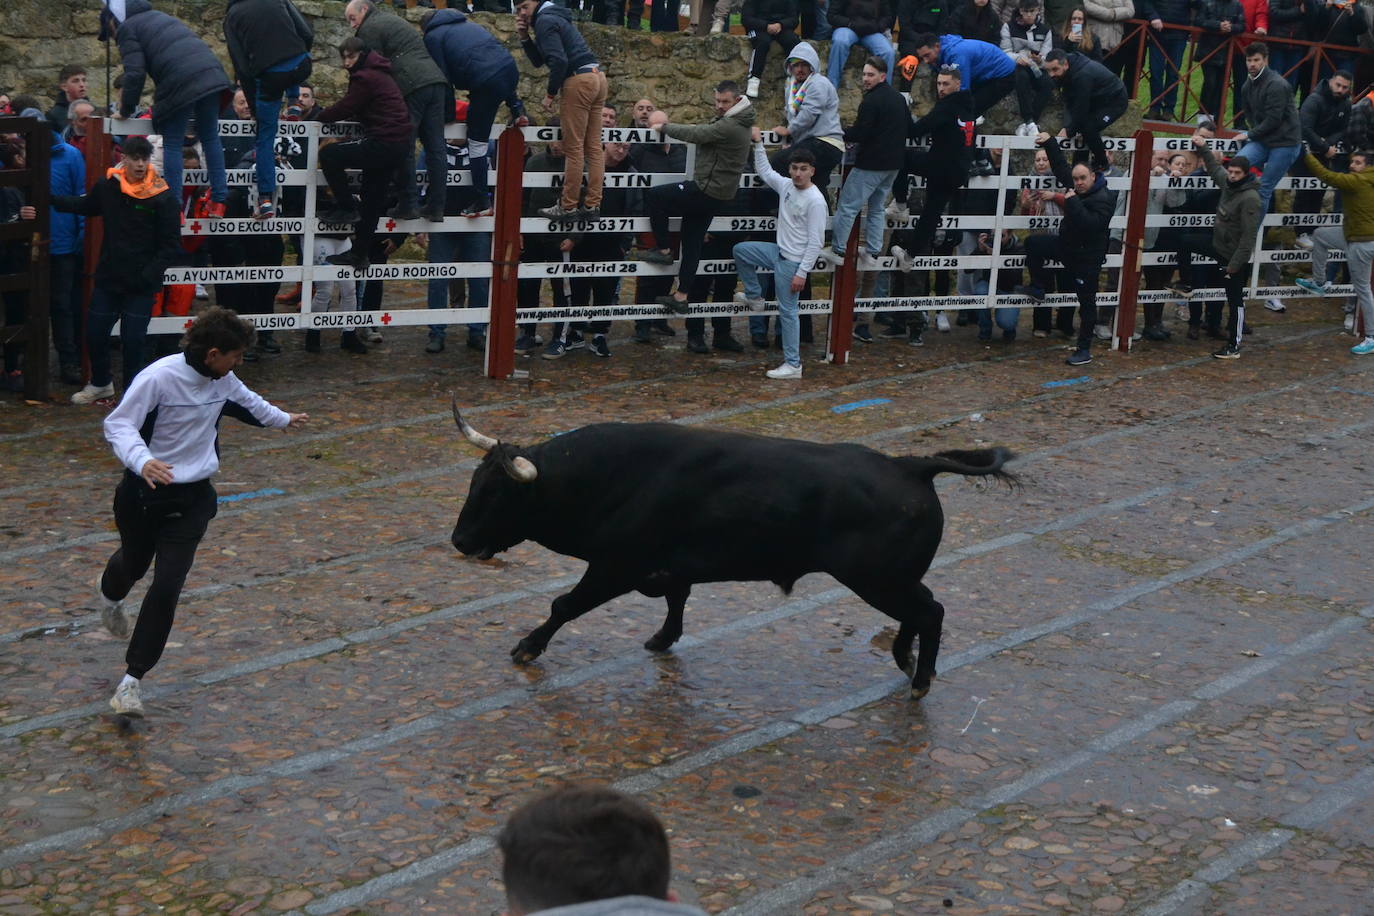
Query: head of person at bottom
point(585, 849)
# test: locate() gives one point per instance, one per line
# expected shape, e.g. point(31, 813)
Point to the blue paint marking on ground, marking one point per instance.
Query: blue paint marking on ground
point(1363, 394)
point(1068, 381)
point(251, 494)
point(871, 402)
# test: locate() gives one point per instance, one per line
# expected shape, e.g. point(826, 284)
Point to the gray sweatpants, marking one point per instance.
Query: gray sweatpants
point(1359, 256)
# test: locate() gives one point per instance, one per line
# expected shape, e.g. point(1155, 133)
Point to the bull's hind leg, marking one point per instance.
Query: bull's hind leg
point(671, 631)
point(592, 591)
point(918, 614)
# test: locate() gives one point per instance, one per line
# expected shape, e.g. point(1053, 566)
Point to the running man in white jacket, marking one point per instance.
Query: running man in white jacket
point(165, 432)
point(802, 218)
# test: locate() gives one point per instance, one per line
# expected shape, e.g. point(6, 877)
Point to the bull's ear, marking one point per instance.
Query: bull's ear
point(519, 467)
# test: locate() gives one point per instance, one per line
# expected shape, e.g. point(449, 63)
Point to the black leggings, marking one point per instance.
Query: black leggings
point(165, 524)
point(696, 208)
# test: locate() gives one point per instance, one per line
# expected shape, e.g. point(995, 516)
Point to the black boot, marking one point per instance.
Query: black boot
point(312, 341)
point(349, 341)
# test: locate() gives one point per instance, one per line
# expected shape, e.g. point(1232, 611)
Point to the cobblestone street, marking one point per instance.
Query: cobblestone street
point(1156, 689)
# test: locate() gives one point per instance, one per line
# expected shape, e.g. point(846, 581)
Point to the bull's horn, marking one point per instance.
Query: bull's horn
point(485, 443)
point(521, 469)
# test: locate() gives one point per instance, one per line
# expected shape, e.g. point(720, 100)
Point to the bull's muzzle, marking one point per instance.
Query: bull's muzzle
point(519, 468)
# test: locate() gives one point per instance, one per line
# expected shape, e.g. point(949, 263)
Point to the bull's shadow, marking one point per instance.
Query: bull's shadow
point(677, 506)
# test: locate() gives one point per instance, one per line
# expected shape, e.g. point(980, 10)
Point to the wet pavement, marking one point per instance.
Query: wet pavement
point(1155, 683)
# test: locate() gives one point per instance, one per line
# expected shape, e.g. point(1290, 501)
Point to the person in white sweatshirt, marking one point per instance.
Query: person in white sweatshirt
point(165, 432)
point(802, 218)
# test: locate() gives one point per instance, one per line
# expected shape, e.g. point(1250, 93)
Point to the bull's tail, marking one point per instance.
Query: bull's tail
point(982, 462)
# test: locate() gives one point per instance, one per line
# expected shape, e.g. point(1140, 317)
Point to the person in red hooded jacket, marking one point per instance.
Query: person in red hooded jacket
point(374, 100)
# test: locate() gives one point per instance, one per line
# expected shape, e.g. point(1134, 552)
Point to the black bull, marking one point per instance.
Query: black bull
point(657, 508)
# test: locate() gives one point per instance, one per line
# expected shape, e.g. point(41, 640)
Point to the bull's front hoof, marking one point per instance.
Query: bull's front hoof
point(909, 667)
point(525, 652)
point(919, 692)
point(660, 642)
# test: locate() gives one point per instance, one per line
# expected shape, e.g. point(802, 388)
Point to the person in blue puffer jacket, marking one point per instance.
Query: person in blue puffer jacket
point(984, 68)
point(67, 168)
point(472, 59)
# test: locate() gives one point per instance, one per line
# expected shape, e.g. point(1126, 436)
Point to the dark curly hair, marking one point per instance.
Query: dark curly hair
point(217, 329)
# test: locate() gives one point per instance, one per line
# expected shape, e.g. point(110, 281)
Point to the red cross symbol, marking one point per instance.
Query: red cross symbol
point(195, 227)
point(390, 225)
point(187, 325)
point(386, 318)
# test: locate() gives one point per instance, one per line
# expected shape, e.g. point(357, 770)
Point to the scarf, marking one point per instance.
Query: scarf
point(151, 185)
point(796, 95)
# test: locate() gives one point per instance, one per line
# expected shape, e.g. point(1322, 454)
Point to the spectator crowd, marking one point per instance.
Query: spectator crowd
point(853, 181)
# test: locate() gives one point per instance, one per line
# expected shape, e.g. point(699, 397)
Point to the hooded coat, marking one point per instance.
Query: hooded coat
point(1357, 196)
point(1089, 89)
point(978, 61)
point(154, 44)
point(1083, 232)
point(142, 235)
point(466, 53)
point(1324, 118)
point(67, 168)
point(263, 33)
point(396, 40)
point(1238, 214)
point(555, 41)
point(722, 148)
point(374, 100)
point(818, 112)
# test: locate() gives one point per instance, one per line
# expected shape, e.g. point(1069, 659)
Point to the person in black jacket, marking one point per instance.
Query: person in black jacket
point(863, 22)
point(190, 82)
point(1081, 245)
point(142, 238)
point(1324, 115)
point(1221, 21)
point(767, 22)
point(1094, 97)
point(976, 19)
point(915, 17)
point(1167, 47)
point(269, 44)
point(1337, 22)
point(950, 126)
point(879, 156)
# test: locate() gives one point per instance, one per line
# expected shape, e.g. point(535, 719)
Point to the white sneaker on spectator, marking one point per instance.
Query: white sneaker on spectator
point(201, 292)
point(752, 90)
point(717, 27)
point(754, 305)
point(1349, 323)
point(1275, 305)
point(786, 371)
point(1180, 311)
point(1102, 331)
point(92, 393)
point(868, 262)
point(897, 210)
point(833, 257)
point(1032, 129)
point(941, 323)
point(904, 260)
point(370, 335)
point(1304, 241)
point(126, 700)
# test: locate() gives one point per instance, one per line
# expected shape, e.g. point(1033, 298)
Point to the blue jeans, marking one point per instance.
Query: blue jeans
point(106, 309)
point(445, 248)
point(844, 38)
point(863, 186)
point(172, 126)
point(749, 257)
point(1164, 72)
point(282, 81)
point(1276, 162)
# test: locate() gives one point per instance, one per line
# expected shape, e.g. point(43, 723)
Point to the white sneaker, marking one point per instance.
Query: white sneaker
point(868, 262)
point(370, 335)
point(126, 701)
point(833, 257)
point(754, 305)
point(201, 292)
point(941, 323)
point(904, 260)
point(92, 393)
point(1032, 129)
point(1304, 241)
point(1349, 322)
point(785, 371)
point(897, 210)
point(717, 27)
point(111, 612)
point(752, 90)
point(1102, 331)
point(1275, 305)
point(1181, 311)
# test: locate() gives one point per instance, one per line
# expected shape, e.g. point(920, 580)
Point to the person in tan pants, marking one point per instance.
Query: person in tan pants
point(549, 38)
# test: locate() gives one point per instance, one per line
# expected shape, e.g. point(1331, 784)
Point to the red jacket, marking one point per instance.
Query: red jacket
point(374, 100)
point(1256, 15)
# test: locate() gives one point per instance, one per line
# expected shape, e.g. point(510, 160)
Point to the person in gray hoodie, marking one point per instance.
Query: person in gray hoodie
point(812, 109)
point(587, 851)
point(722, 149)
